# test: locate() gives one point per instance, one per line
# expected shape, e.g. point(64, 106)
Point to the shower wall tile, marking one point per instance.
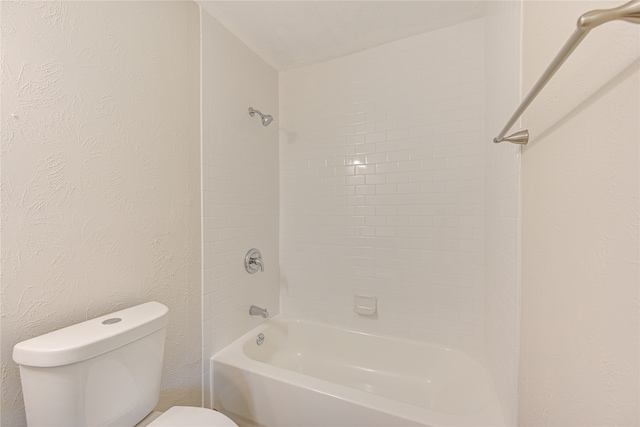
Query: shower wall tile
point(502, 197)
point(382, 187)
point(240, 188)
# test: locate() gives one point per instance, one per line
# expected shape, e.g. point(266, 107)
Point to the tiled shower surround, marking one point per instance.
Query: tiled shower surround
point(382, 175)
point(389, 185)
point(502, 204)
point(240, 188)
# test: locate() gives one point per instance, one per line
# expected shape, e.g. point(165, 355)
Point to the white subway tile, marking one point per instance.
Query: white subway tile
point(406, 201)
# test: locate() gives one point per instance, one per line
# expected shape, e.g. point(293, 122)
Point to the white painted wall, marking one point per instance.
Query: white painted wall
point(100, 197)
point(502, 202)
point(381, 174)
point(240, 188)
point(579, 360)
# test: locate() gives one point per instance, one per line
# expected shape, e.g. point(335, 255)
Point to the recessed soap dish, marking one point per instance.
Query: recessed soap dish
point(365, 305)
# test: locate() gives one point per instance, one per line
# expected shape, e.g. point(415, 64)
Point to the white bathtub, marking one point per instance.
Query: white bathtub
point(311, 374)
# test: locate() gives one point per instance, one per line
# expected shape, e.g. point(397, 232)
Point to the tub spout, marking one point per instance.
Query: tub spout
point(257, 311)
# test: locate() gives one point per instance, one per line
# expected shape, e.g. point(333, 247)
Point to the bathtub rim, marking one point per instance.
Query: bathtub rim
point(233, 355)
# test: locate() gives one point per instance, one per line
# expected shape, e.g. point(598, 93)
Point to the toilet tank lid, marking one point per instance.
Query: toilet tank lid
point(93, 337)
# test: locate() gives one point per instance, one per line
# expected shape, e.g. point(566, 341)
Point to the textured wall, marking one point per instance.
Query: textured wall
point(240, 188)
point(502, 202)
point(100, 197)
point(580, 337)
point(382, 172)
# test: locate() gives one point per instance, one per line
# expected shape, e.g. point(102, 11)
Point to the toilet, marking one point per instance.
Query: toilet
point(103, 372)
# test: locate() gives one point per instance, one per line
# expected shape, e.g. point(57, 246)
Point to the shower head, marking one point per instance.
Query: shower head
point(266, 118)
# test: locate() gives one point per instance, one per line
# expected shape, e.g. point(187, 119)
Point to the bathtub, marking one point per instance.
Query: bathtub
point(311, 374)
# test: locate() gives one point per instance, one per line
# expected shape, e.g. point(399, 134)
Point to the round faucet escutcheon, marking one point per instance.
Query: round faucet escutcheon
point(253, 261)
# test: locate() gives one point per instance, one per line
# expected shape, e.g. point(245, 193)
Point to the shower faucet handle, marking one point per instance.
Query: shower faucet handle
point(258, 261)
point(253, 261)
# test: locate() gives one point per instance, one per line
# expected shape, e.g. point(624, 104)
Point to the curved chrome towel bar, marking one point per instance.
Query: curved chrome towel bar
point(628, 12)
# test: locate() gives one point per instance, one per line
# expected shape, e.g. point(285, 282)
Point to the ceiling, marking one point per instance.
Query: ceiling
point(290, 34)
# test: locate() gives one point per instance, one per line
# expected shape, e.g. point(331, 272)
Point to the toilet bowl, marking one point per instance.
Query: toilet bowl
point(103, 372)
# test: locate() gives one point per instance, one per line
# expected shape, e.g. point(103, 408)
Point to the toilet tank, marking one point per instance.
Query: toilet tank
point(102, 372)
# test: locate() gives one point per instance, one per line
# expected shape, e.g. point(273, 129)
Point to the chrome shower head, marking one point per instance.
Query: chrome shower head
point(266, 118)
